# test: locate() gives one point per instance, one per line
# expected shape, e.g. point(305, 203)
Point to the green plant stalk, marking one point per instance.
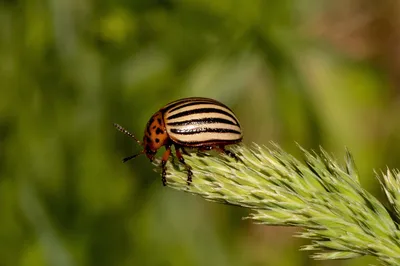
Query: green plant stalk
point(324, 198)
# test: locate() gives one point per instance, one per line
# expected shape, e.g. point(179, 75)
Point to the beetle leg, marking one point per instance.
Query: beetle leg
point(204, 148)
point(188, 168)
point(164, 163)
point(229, 153)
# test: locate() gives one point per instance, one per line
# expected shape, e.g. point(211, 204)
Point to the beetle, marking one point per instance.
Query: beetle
point(195, 122)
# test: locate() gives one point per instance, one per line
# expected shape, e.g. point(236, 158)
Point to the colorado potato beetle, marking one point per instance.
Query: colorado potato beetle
point(201, 123)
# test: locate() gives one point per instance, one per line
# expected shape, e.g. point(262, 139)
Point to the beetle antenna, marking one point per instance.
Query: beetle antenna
point(131, 157)
point(126, 132)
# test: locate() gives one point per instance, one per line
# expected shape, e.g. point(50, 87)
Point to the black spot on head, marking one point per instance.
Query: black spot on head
point(157, 140)
point(150, 122)
point(159, 131)
point(149, 125)
point(159, 120)
point(154, 127)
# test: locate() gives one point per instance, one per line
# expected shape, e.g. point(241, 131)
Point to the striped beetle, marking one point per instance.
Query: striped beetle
point(195, 122)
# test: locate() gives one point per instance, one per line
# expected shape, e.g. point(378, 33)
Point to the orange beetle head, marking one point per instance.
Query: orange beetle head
point(155, 135)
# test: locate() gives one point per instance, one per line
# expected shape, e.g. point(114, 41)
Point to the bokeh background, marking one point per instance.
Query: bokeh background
point(316, 72)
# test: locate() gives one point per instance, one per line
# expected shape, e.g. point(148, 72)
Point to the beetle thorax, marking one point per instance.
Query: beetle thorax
point(155, 135)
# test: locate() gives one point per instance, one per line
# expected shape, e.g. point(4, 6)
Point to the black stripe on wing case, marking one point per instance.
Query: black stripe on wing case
point(173, 104)
point(186, 100)
point(200, 130)
point(194, 103)
point(209, 120)
point(200, 111)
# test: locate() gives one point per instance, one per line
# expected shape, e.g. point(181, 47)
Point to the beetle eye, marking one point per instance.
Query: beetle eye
point(150, 151)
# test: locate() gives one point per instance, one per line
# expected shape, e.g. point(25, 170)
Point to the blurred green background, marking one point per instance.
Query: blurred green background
point(314, 72)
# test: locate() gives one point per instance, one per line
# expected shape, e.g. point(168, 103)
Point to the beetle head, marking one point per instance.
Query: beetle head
point(150, 153)
point(155, 135)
